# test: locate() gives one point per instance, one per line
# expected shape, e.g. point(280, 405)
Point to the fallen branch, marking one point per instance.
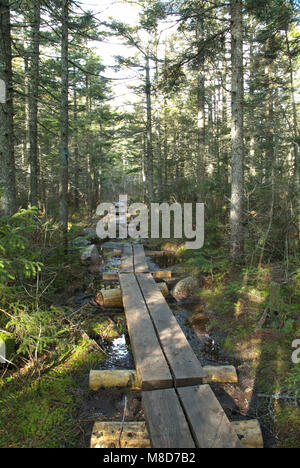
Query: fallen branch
point(262, 320)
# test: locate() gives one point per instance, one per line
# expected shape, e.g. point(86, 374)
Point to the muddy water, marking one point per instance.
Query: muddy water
point(119, 354)
point(204, 346)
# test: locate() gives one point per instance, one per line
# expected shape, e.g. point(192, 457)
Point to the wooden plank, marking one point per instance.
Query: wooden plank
point(110, 276)
point(207, 419)
point(184, 365)
point(166, 421)
point(127, 259)
point(151, 365)
point(140, 262)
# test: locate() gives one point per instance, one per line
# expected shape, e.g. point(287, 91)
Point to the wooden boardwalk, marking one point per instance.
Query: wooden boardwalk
point(180, 411)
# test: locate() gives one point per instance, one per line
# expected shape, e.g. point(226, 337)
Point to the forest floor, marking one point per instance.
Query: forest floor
point(50, 405)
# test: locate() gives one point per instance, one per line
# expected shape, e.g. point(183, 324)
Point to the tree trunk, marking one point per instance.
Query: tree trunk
point(237, 132)
point(88, 149)
point(252, 72)
point(7, 157)
point(33, 103)
point(270, 134)
point(201, 163)
point(149, 143)
point(76, 150)
point(64, 125)
point(295, 136)
point(26, 146)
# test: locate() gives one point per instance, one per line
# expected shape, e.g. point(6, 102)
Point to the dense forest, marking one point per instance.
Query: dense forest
point(213, 120)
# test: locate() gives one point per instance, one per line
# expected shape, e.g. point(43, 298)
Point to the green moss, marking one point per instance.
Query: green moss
point(237, 300)
point(104, 327)
point(42, 412)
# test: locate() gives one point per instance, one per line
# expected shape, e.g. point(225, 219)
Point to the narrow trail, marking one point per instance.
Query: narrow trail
point(107, 404)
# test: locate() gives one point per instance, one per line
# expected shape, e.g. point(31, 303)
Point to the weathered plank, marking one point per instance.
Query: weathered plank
point(184, 365)
point(207, 419)
point(151, 365)
point(127, 259)
point(140, 262)
point(166, 421)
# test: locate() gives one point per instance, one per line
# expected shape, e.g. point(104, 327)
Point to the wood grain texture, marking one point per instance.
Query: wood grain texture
point(166, 422)
point(127, 259)
point(140, 262)
point(151, 365)
point(184, 365)
point(208, 421)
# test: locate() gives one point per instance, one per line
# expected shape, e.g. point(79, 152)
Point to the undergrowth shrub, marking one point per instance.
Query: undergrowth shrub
point(19, 261)
point(33, 268)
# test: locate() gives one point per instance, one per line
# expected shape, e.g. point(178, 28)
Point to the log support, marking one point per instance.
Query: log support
point(128, 378)
point(108, 434)
point(149, 253)
point(112, 298)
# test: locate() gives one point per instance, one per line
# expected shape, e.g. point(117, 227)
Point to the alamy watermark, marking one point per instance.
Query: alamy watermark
point(3, 359)
point(136, 221)
point(296, 353)
point(2, 92)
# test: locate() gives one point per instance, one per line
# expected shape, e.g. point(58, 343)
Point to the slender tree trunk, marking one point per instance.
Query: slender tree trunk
point(158, 132)
point(159, 160)
point(7, 158)
point(201, 156)
point(149, 142)
point(144, 178)
point(237, 132)
point(76, 151)
point(26, 144)
point(295, 136)
point(88, 149)
point(64, 125)
point(165, 149)
point(225, 146)
point(33, 103)
point(269, 161)
point(272, 103)
point(251, 92)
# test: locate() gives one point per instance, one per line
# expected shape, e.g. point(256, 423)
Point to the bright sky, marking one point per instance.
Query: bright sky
point(122, 11)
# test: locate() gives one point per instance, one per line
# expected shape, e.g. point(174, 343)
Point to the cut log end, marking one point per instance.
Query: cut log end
point(108, 434)
point(220, 374)
point(112, 298)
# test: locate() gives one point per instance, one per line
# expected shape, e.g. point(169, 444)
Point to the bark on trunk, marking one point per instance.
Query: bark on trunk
point(149, 142)
point(88, 149)
point(201, 163)
point(33, 104)
point(76, 150)
point(237, 132)
point(295, 136)
point(7, 157)
point(64, 125)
